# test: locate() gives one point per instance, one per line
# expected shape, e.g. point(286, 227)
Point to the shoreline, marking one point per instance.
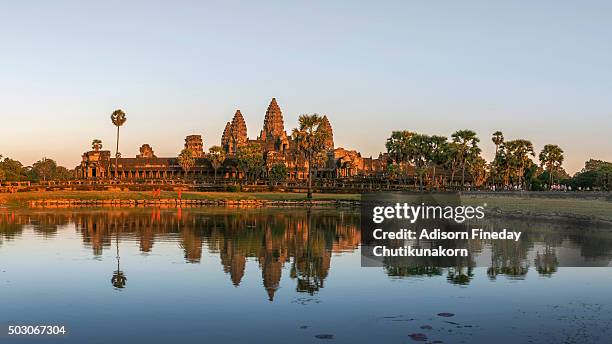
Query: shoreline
point(593, 208)
point(186, 203)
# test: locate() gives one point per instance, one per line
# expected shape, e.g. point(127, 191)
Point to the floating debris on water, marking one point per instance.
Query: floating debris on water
point(418, 337)
point(446, 315)
point(324, 336)
point(426, 327)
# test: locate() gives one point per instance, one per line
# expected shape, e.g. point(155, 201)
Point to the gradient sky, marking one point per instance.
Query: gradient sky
point(536, 70)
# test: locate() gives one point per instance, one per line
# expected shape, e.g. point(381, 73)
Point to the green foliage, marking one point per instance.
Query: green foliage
point(517, 158)
point(398, 146)
point(186, 159)
point(250, 160)
point(233, 188)
point(44, 169)
point(394, 171)
point(118, 117)
point(12, 170)
point(551, 157)
point(96, 144)
point(466, 149)
point(310, 142)
point(498, 139)
point(217, 157)
point(596, 174)
point(277, 173)
point(62, 173)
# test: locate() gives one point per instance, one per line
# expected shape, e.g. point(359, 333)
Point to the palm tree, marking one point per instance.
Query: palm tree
point(250, 160)
point(551, 156)
point(96, 144)
point(310, 141)
point(118, 118)
point(498, 139)
point(186, 160)
point(398, 148)
point(418, 153)
point(467, 144)
point(217, 157)
point(518, 152)
point(438, 147)
point(119, 279)
point(451, 158)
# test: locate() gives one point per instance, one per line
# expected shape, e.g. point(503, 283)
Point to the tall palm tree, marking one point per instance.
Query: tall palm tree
point(186, 160)
point(118, 118)
point(438, 147)
point(467, 144)
point(397, 148)
point(119, 279)
point(310, 141)
point(419, 153)
point(551, 156)
point(217, 157)
point(96, 144)
point(518, 156)
point(498, 139)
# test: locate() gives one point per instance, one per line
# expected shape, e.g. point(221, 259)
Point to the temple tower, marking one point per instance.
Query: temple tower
point(146, 151)
point(273, 133)
point(326, 126)
point(195, 144)
point(274, 126)
point(235, 134)
point(225, 138)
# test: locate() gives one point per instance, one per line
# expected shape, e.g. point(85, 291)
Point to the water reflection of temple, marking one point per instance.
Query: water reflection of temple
point(299, 242)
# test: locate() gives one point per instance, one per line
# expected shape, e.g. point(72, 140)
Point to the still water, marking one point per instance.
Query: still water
point(290, 276)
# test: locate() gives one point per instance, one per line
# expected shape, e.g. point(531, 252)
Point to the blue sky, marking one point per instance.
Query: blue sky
point(536, 70)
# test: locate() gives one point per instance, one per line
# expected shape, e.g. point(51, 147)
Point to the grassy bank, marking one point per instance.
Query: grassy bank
point(21, 199)
point(563, 207)
point(518, 204)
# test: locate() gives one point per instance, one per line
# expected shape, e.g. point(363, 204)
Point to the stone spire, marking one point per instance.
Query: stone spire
point(274, 126)
point(146, 151)
point(326, 126)
point(234, 134)
point(195, 144)
point(225, 138)
point(239, 129)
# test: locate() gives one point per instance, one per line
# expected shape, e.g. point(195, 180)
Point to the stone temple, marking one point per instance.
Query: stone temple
point(277, 147)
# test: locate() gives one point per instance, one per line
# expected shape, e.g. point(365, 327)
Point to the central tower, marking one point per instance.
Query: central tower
point(274, 126)
point(273, 133)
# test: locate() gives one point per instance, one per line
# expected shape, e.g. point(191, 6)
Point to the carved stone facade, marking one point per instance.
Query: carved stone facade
point(146, 151)
point(326, 126)
point(277, 147)
point(95, 164)
point(273, 135)
point(195, 144)
point(235, 134)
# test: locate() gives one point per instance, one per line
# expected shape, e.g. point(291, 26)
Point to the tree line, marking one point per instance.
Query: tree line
point(42, 170)
point(419, 158)
point(428, 161)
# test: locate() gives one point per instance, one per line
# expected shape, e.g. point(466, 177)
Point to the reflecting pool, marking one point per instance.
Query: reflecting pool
point(217, 275)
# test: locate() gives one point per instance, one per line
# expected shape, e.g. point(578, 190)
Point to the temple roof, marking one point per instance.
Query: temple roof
point(325, 125)
point(274, 125)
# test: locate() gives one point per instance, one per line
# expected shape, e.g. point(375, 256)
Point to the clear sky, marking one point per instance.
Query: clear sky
point(540, 70)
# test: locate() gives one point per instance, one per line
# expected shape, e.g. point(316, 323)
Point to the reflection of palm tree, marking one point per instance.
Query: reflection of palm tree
point(546, 263)
point(460, 275)
point(118, 119)
point(119, 279)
